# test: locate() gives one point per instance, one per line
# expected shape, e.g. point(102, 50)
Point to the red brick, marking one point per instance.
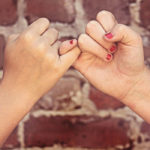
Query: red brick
point(66, 38)
point(73, 131)
point(2, 45)
point(118, 7)
point(145, 13)
point(146, 46)
point(145, 128)
point(147, 52)
point(8, 12)
point(12, 141)
point(103, 101)
point(54, 10)
point(59, 97)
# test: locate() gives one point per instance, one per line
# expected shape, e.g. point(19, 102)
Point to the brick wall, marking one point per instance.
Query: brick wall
point(74, 115)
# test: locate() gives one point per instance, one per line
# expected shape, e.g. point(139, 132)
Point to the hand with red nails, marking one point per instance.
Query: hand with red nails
point(112, 60)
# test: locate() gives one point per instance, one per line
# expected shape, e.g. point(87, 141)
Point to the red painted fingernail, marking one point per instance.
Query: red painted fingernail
point(113, 48)
point(71, 42)
point(108, 56)
point(109, 35)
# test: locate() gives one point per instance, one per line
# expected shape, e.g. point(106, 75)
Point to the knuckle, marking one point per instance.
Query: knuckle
point(121, 27)
point(10, 37)
point(81, 40)
point(41, 46)
point(101, 13)
point(54, 30)
point(90, 25)
point(44, 20)
point(27, 36)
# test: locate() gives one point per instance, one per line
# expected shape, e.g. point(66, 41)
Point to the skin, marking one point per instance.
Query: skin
point(32, 67)
point(124, 75)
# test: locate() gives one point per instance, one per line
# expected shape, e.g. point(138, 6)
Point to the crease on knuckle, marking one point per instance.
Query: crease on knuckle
point(26, 37)
point(42, 46)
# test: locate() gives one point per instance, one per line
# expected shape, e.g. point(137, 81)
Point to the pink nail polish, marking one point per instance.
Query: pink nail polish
point(108, 56)
point(109, 35)
point(71, 42)
point(113, 48)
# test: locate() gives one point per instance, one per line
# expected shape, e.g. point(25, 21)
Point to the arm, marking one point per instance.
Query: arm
point(138, 98)
point(14, 105)
point(32, 67)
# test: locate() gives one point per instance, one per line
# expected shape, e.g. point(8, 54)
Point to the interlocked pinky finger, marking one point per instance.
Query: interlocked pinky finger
point(87, 44)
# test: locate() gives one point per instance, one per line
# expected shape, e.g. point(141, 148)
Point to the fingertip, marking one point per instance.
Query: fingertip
point(73, 42)
point(69, 43)
point(108, 57)
point(109, 35)
point(113, 49)
point(67, 46)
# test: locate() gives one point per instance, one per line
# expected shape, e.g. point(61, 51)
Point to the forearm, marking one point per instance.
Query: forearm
point(14, 105)
point(138, 98)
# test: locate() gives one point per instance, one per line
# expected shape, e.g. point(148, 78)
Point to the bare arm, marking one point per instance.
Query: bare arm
point(138, 98)
point(14, 105)
point(32, 66)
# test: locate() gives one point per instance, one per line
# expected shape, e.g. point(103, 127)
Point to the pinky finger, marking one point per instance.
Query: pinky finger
point(67, 46)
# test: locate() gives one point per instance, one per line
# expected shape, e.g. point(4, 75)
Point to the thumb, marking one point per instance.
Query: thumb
point(123, 34)
point(70, 57)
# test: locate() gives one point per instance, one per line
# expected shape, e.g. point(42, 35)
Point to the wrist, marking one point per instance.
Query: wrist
point(138, 98)
point(16, 94)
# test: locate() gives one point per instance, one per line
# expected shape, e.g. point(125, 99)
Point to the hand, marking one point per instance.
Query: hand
point(32, 65)
point(112, 68)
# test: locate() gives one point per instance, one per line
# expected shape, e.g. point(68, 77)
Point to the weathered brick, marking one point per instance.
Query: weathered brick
point(147, 52)
point(8, 12)
point(54, 10)
point(145, 13)
point(118, 7)
point(146, 46)
point(60, 96)
point(12, 141)
point(103, 101)
point(73, 131)
point(145, 128)
point(2, 45)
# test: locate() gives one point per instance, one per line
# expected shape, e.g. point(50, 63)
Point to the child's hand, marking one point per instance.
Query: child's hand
point(32, 64)
point(112, 68)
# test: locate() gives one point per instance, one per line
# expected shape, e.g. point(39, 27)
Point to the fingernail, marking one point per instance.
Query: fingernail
point(109, 35)
point(108, 56)
point(113, 48)
point(71, 42)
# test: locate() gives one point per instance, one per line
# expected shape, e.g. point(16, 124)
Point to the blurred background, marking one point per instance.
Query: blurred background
point(74, 115)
